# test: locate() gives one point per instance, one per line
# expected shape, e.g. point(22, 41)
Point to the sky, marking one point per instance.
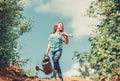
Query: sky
point(44, 14)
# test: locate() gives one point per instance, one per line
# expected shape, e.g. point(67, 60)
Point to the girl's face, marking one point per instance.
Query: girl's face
point(60, 27)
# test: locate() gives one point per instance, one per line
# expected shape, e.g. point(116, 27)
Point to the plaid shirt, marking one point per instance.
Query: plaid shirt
point(56, 41)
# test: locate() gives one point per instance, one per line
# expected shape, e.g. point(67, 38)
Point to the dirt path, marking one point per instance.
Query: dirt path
point(6, 75)
point(43, 79)
point(65, 79)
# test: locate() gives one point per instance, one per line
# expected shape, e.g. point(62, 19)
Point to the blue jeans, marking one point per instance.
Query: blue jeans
point(55, 57)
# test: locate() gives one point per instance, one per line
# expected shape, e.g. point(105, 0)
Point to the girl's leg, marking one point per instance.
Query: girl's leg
point(54, 67)
point(56, 58)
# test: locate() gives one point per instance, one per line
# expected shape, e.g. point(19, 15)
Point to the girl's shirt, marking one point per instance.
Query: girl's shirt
point(56, 41)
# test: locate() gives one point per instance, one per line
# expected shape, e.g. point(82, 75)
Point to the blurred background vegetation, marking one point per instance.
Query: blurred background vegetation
point(102, 63)
point(104, 55)
point(12, 25)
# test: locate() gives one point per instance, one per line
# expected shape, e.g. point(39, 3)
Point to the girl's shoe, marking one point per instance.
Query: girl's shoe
point(61, 79)
point(54, 74)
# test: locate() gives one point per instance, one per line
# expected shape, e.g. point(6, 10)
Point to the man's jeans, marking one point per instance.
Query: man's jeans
point(55, 57)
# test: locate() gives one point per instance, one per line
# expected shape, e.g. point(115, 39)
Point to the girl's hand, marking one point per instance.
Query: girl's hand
point(45, 54)
point(65, 34)
point(70, 35)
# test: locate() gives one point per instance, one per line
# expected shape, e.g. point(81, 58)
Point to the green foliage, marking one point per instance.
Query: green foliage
point(28, 72)
point(105, 51)
point(12, 25)
point(84, 68)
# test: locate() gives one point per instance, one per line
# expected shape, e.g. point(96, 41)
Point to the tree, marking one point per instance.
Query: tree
point(105, 44)
point(12, 25)
point(85, 70)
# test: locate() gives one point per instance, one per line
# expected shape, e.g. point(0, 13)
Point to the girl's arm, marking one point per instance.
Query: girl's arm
point(48, 48)
point(65, 35)
point(66, 39)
